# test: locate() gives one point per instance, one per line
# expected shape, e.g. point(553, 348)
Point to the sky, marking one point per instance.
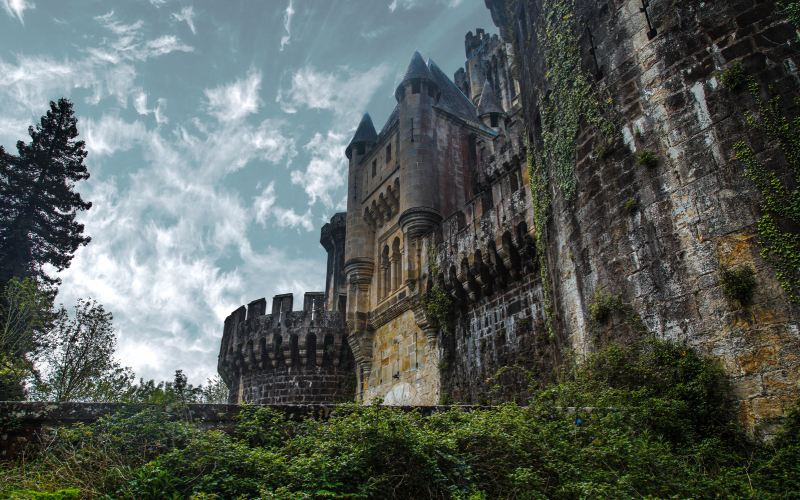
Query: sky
point(216, 134)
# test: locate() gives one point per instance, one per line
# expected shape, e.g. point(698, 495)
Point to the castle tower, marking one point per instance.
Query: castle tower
point(359, 263)
point(332, 238)
point(416, 94)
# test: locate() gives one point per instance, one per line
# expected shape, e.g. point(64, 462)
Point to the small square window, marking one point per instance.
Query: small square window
point(388, 153)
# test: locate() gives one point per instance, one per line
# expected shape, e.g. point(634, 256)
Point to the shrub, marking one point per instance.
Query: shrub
point(739, 284)
point(733, 78)
point(630, 206)
point(647, 158)
point(603, 306)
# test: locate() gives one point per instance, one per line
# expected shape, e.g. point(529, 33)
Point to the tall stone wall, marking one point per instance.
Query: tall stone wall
point(641, 81)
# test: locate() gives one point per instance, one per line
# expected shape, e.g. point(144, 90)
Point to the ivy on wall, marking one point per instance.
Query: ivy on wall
point(573, 98)
point(437, 302)
point(778, 227)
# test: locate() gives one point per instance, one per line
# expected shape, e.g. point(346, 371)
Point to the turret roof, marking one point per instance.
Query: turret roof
point(451, 99)
point(488, 102)
point(417, 69)
point(364, 133)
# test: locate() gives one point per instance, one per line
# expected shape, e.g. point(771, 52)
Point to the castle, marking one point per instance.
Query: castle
point(576, 182)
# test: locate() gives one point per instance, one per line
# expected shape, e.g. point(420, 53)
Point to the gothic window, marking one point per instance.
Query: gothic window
point(386, 272)
point(396, 262)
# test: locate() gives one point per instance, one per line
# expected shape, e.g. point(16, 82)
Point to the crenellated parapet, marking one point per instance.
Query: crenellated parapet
point(286, 356)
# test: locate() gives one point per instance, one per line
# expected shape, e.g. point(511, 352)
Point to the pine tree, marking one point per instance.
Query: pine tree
point(38, 201)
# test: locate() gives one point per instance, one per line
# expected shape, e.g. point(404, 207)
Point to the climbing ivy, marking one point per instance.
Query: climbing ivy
point(438, 303)
point(541, 212)
point(573, 99)
point(778, 225)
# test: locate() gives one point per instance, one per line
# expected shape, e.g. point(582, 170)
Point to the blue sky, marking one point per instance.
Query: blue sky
point(215, 133)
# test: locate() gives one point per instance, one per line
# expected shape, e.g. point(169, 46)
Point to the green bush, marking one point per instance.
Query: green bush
point(647, 159)
point(650, 419)
point(739, 284)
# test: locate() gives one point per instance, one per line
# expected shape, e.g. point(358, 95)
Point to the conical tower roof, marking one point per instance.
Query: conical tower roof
point(488, 102)
point(417, 70)
point(365, 133)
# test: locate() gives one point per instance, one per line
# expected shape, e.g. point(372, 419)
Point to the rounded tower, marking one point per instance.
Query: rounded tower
point(490, 112)
point(416, 94)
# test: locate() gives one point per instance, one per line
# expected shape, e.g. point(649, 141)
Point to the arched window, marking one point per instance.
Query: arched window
point(396, 262)
point(386, 272)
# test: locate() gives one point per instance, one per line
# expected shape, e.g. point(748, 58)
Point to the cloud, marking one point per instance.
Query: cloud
point(327, 170)
point(130, 44)
point(345, 92)
point(234, 101)
point(287, 24)
point(264, 208)
point(186, 15)
point(164, 235)
point(16, 8)
point(410, 4)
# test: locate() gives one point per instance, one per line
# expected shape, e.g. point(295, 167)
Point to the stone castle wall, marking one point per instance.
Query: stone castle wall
point(657, 236)
point(287, 356)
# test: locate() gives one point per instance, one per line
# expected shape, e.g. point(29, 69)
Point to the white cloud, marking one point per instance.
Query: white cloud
point(264, 208)
point(346, 93)
point(160, 239)
point(130, 44)
point(186, 15)
point(16, 8)
point(235, 101)
point(410, 4)
point(327, 170)
point(287, 24)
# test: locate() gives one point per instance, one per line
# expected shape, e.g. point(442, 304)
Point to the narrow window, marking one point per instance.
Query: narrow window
point(415, 87)
point(494, 119)
point(431, 91)
point(374, 165)
point(412, 130)
point(388, 153)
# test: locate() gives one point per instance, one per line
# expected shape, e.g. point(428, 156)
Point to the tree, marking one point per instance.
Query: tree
point(39, 202)
point(25, 314)
point(215, 391)
point(80, 364)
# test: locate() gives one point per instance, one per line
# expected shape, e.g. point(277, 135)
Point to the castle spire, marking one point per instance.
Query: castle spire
point(488, 103)
point(365, 133)
point(417, 70)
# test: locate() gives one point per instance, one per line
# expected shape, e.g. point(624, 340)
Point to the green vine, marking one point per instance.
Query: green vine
point(541, 211)
point(437, 302)
point(573, 99)
point(777, 228)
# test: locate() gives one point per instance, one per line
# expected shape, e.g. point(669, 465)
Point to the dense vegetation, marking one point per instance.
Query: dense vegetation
point(661, 427)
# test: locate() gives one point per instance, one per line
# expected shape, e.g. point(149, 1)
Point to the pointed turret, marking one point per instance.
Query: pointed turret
point(365, 134)
point(417, 71)
point(488, 102)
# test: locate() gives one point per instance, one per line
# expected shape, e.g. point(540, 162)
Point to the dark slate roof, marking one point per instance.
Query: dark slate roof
point(452, 99)
point(393, 118)
point(417, 69)
point(488, 102)
point(364, 133)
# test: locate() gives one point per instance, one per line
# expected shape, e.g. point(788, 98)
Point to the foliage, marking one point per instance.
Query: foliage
point(573, 99)
point(739, 284)
point(603, 306)
point(215, 391)
point(733, 77)
point(80, 356)
point(39, 204)
point(630, 206)
point(779, 186)
point(437, 302)
point(650, 419)
point(25, 311)
point(791, 9)
point(647, 159)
